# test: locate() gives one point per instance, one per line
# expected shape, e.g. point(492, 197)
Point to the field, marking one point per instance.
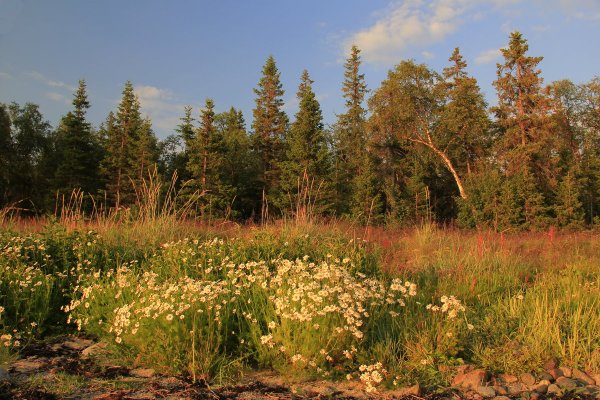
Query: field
point(381, 308)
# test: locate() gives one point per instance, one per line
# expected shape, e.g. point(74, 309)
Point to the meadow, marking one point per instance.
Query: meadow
point(382, 307)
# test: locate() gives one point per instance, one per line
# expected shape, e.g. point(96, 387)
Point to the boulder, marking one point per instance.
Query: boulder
point(555, 390)
point(566, 383)
point(566, 371)
point(583, 377)
point(527, 379)
point(555, 373)
point(471, 380)
point(142, 373)
point(486, 391)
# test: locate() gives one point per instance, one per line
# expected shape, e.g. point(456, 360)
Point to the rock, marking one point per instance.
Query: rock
point(527, 379)
point(77, 343)
point(534, 395)
point(545, 376)
point(516, 388)
point(405, 392)
point(540, 388)
point(583, 377)
point(486, 391)
point(471, 380)
point(596, 377)
point(551, 363)
point(555, 390)
point(566, 371)
point(142, 372)
point(592, 390)
point(501, 398)
point(29, 365)
point(556, 373)
point(566, 383)
point(506, 378)
point(500, 390)
point(93, 350)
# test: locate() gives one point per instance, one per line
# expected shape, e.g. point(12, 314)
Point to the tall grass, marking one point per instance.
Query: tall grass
point(309, 299)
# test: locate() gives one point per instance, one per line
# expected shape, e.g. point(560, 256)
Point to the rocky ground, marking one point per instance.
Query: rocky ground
point(67, 368)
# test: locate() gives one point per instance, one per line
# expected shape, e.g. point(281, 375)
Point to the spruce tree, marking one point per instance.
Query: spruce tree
point(307, 166)
point(205, 163)
point(6, 155)
point(270, 126)
point(356, 187)
point(522, 115)
point(130, 149)
point(77, 149)
point(239, 171)
point(464, 117)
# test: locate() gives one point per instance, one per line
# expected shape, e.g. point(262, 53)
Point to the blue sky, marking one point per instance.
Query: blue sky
point(181, 52)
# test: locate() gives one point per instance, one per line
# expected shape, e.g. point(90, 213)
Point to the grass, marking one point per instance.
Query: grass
point(308, 300)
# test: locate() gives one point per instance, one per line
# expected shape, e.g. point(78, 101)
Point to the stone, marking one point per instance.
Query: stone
point(556, 373)
point(93, 350)
point(583, 377)
point(29, 365)
point(540, 388)
point(554, 389)
point(551, 363)
point(545, 376)
point(142, 373)
point(506, 378)
point(470, 380)
point(77, 343)
point(527, 379)
point(407, 391)
point(566, 383)
point(501, 398)
point(486, 391)
point(566, 371)
point(500, 390)
point(534, 395)
point(596, 377)
point(516, 388)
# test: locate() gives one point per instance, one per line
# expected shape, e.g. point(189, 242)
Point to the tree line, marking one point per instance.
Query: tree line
point(423, 145)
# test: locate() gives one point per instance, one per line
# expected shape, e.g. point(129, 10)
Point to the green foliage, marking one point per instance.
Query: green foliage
point(76, 150)
point(270, 125)
point(306, 170)
point(130, 149)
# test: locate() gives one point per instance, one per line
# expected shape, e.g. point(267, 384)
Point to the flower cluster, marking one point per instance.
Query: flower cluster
point(372, 376)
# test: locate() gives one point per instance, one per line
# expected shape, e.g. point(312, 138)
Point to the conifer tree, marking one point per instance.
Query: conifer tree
point(356, 184)
point(130, 149)
point(77, 150)
point(6, 155)
point(270, 125)
point(239, 171)
point(307, 163)
point(522, 114)
point(32, 149)
point(205, 163)
point(464, 118)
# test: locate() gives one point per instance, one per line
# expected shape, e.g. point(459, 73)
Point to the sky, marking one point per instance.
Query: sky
point(179, 53)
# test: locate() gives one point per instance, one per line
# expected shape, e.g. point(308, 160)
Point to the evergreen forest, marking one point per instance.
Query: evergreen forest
point(423, 146)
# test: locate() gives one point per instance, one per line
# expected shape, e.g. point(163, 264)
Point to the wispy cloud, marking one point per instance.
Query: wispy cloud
point(488, 56)
point(54, 96)
point(160, 105)
point(427, 55)
point(406, 24)
point(38, 76)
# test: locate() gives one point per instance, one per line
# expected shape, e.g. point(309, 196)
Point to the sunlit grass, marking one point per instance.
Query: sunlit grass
point(313, 300)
